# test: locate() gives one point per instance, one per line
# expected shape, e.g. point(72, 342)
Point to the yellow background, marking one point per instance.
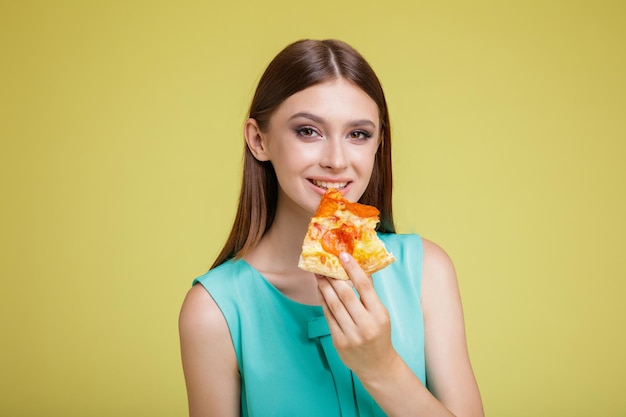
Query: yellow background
point(121, 121)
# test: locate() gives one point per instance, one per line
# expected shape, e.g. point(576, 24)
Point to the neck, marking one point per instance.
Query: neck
point(276, 256)
point(279, 249)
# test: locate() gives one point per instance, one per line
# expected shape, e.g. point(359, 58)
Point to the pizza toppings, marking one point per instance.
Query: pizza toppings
point(340, 240)
point(339, 226)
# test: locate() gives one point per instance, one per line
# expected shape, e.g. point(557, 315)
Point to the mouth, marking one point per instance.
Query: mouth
point(330, 184)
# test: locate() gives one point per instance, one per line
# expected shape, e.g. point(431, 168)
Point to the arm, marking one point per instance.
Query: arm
point(450, 375)
point(362, 335)
point(208, 356)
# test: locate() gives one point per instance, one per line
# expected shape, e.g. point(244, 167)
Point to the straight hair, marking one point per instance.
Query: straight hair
point(300, 65)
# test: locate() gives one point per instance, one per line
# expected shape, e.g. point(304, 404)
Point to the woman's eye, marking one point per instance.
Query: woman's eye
point(308, 132)
point(360, 135)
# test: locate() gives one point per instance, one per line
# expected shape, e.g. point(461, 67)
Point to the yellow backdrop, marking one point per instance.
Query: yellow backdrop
point(121, 121)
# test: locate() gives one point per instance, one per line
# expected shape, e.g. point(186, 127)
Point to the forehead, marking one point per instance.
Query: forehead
point(332, 100)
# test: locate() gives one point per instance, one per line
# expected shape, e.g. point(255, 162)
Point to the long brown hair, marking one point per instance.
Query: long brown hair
point(300, 65)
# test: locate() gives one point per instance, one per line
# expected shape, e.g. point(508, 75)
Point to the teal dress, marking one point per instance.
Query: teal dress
point(288, 365)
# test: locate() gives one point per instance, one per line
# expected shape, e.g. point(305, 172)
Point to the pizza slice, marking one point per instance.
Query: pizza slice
point(338, 226)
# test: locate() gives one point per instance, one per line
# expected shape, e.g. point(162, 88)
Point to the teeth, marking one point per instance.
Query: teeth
point(326, 184)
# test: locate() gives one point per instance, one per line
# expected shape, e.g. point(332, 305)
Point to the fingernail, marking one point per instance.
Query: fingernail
point(344, 257)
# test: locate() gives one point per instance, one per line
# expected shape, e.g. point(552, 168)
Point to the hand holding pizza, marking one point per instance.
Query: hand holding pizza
point(359, 324)
point(341, 246)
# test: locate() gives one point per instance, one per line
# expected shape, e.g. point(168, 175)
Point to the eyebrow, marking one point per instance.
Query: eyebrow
point(318, 119)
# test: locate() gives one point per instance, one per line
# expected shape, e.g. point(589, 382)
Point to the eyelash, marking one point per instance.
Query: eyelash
point(364, 135)
point(301, 131)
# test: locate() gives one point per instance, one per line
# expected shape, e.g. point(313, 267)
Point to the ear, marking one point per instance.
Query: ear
point(256, 140)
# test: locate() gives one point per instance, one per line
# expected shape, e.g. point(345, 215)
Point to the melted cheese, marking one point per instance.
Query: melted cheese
point(332, 231)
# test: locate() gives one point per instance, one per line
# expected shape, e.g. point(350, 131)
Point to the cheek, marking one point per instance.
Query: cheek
point(367, 158)
point(292, 158)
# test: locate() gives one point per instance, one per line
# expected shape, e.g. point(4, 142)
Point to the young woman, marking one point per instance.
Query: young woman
point(259, 336)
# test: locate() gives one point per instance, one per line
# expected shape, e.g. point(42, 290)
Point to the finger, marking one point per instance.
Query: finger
point(335, 328)
point(362, 282)
point(333, 305)
point(350, 301)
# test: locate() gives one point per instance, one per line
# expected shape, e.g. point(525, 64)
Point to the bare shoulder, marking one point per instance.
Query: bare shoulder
point(200, 312)
point(437, 264)
point(203, 328)
point(202, 325)
point(440, 289)
point(208, 356)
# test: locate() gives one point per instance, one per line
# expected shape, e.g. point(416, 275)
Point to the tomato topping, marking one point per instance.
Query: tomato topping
point(340, 240)
point(362, 210)
point(333, 200)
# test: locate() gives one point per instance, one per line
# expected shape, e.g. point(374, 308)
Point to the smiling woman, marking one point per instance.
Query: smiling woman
point(259, 336)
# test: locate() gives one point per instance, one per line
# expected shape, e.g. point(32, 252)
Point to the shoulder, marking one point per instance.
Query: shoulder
point(209, 360)
point(200, 315)
point(203, 307)
point(205, 339)
point(203, 311)
point(437, 262)
point(440, 289)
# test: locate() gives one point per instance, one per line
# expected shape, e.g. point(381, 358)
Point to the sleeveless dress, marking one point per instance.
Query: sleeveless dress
point(288, 365)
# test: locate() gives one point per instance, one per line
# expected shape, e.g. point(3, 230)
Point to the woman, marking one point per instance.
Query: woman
point(260, 337)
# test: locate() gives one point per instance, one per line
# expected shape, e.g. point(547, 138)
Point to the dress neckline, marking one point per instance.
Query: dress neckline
point(279, 293)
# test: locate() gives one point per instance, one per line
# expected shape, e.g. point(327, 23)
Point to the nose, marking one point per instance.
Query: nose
point(334, 155)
